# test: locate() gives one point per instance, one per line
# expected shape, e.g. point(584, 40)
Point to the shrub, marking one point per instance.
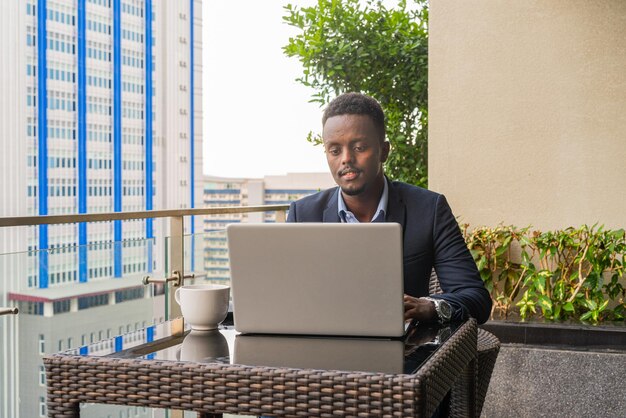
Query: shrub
point(564, 274)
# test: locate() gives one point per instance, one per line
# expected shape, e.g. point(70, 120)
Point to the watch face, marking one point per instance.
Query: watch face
point(445, 310)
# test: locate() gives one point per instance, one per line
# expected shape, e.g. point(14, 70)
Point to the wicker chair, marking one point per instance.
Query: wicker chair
point(488, 349)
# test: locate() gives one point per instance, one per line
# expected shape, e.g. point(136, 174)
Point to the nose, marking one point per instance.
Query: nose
point(347, 156)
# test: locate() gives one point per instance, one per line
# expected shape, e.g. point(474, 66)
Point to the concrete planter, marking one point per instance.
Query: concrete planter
point(558, 370)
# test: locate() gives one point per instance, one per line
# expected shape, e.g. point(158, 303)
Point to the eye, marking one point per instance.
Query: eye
point(333, 150)
point(360, 148)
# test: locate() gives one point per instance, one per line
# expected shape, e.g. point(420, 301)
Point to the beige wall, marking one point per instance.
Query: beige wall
point(527, 110)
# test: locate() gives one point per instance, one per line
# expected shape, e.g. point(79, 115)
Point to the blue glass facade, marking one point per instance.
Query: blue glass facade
point(93, 79)
point(42, 135)
point(149, 191)
point(82, 140)
point(117, 135)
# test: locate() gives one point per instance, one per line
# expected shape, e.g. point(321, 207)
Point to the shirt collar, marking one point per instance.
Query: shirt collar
point(348, 217)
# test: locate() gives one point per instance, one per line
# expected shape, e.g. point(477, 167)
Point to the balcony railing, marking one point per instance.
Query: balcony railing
point(176, 241)
point(40, 333)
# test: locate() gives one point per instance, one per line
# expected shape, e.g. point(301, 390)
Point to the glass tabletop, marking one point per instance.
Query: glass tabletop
point(170, 341)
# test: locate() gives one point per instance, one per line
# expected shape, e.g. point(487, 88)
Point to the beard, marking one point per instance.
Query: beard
point(353, 191)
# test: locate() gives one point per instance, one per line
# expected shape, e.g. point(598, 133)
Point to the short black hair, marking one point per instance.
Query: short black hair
point(356, 104)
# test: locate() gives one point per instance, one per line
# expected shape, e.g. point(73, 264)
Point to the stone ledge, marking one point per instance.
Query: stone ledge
point(566, 335)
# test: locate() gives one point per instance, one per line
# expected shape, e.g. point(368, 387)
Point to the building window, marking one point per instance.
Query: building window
point(42, 344)
point(92, 301)
point(129, 294)
point(42, 406)
point(61, 306)
point(42, 376)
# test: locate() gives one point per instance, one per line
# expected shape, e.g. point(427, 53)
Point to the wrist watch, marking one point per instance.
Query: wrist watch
point(443, 308)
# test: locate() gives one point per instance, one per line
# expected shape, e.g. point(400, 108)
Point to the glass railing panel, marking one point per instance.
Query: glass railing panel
point(68, 297)
point(72, 295)
point(215, 257)
point(206, 253)
point(206, 256)
point(202, 252)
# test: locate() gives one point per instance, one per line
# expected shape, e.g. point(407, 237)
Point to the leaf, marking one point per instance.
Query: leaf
point(603, 306)
point(545, 303)
point(504, 247)
point(489, 287)
point(482, 263)
point(569, 307)
point(586, 316)
point(591, 304)
point(540, 283)
point(618, 234)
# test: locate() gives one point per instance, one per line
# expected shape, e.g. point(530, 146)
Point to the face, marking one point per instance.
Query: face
point(355, 152)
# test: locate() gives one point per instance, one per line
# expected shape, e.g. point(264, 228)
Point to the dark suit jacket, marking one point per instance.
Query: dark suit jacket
point(432, 238)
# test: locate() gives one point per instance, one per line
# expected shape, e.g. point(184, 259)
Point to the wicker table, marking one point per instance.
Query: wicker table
point(136, 369)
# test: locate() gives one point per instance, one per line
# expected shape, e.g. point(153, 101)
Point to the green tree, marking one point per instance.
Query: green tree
point(363, 46)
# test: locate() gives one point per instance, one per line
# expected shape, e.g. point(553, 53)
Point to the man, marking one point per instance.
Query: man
point(354, 141)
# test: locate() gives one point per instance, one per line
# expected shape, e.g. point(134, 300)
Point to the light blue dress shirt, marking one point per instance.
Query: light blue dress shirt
point(379, 216)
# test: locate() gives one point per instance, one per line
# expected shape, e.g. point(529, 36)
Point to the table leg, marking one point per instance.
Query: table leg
point(463, 394)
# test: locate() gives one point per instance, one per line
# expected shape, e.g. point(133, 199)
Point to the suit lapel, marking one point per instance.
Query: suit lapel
point(396, 210)
point(330, 213)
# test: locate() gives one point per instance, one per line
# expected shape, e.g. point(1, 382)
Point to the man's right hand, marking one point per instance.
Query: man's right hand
point(419, 309)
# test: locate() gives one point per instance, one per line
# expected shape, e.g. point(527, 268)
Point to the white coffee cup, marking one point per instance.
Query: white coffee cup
point(204, 306)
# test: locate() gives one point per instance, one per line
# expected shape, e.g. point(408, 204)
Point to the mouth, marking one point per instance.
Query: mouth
point(349, 174)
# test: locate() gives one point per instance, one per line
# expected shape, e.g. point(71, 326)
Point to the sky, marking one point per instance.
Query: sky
point(256, 116)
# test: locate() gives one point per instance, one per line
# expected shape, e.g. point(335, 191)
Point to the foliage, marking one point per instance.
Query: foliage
point(564, 274)
point(351, 45)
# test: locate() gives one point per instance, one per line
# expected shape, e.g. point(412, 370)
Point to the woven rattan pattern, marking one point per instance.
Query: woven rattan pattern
point(224, 388)
point(488, 349)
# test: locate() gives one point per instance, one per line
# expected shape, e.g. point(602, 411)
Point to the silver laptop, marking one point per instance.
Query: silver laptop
point(317, 278)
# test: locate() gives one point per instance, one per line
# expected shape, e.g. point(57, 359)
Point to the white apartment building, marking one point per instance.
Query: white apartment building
point(269, 190)
point(101, 111)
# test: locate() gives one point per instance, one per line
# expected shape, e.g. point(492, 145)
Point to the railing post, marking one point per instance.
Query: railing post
point(281, 215)
point(176, 262)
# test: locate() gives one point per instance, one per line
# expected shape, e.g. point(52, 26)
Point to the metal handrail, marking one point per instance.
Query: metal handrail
point(122, 216)
point(8, 311)
point(176, 278)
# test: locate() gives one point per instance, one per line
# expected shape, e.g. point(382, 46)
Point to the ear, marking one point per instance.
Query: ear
point(384, 151)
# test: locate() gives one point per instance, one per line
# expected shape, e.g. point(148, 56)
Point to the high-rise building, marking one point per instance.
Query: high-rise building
point(269, 190)
point(100, 112)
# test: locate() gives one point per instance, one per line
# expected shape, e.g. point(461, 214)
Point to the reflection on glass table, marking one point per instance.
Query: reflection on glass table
point(225, 345)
